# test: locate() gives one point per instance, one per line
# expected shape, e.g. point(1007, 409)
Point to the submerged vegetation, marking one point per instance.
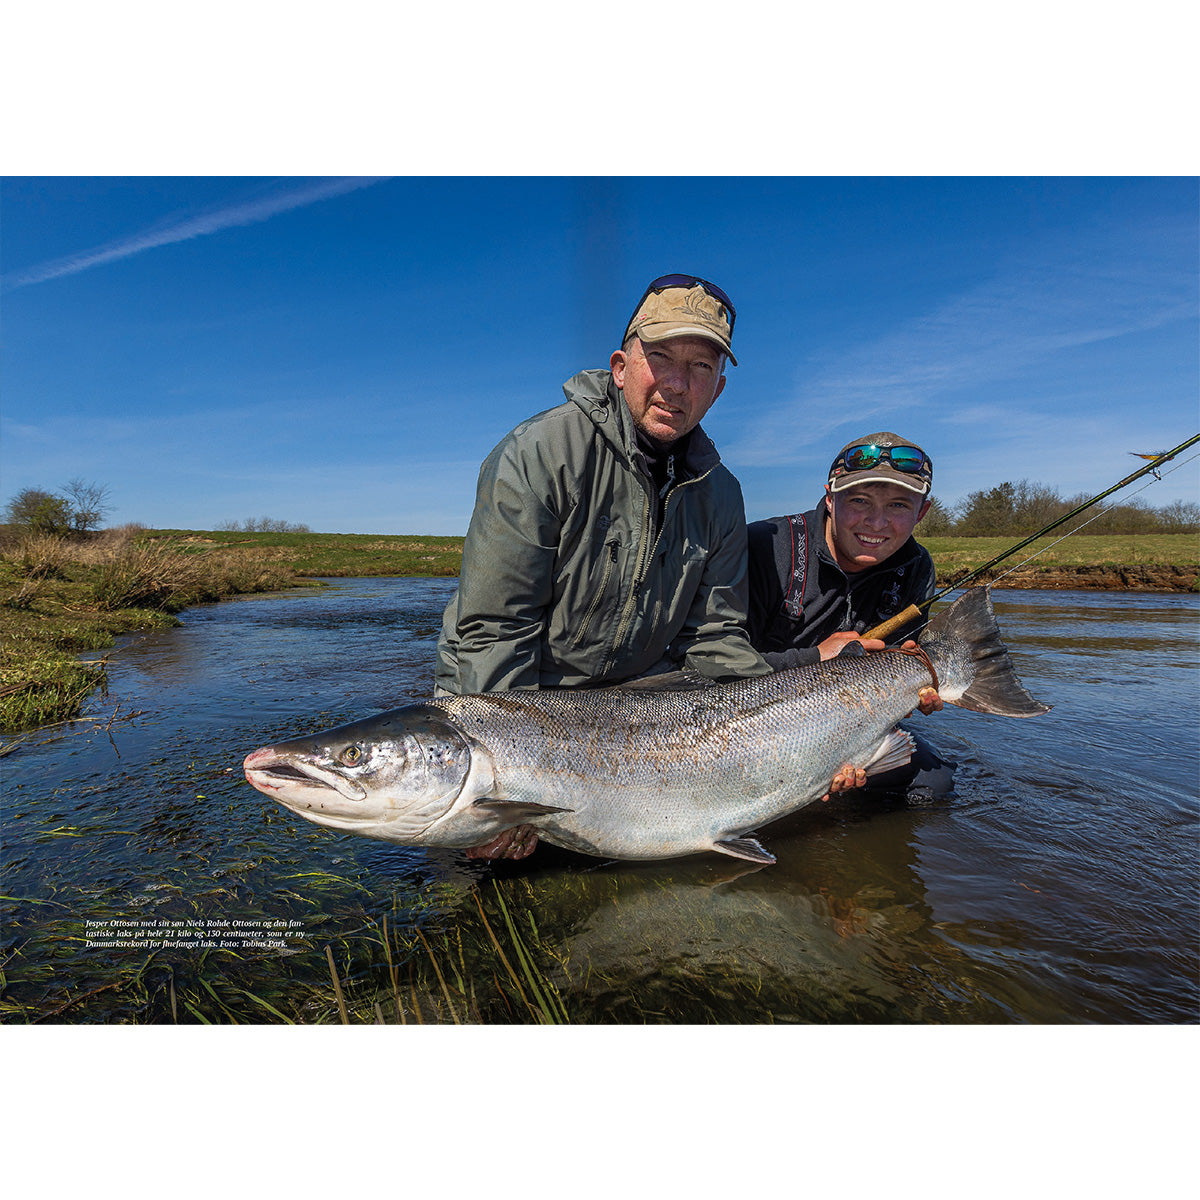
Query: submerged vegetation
point(482, 963)
point(507, 950)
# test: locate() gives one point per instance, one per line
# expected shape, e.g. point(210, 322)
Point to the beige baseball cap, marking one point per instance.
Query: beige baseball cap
point(690, 308)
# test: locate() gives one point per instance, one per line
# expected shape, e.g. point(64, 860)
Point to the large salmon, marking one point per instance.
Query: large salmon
point(641, 771)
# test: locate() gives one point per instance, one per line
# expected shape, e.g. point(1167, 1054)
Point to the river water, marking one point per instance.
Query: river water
point(146, 882)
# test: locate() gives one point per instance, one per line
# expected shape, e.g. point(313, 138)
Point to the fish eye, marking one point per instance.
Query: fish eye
point(351, 756)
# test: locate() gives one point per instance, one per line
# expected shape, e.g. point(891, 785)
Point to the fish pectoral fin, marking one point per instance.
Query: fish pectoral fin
point(517, 808)
point(744, 847)
point(894, 751)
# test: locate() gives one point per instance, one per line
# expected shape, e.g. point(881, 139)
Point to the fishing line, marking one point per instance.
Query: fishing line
point(916, 611)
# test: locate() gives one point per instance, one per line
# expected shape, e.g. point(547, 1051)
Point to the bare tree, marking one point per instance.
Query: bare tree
point(1180, 516)
point(262, 525)
point(89, 504)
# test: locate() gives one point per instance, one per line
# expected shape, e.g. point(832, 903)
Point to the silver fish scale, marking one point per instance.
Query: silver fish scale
point(649, 774)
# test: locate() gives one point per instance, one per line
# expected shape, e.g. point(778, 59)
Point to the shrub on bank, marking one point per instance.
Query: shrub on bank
point(139, 573)
point(145, 576)
point(42, 556)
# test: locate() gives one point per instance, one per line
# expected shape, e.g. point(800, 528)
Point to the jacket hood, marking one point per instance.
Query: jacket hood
point(596, 393)
point(598, 396)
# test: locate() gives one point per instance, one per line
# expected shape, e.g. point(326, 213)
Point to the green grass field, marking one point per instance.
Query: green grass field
point(326, 554)
point(349, 554)
point(953, 554)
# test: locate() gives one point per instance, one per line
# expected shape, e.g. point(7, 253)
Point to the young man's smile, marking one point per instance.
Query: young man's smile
point(870, 522)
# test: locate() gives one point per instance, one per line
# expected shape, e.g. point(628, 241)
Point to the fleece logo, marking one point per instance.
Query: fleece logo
point(889, 602)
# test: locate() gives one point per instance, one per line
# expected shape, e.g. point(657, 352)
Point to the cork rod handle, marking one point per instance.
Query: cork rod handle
point(911, 613)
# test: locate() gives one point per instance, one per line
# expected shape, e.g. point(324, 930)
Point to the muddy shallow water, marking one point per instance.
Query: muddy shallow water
point(145, 881)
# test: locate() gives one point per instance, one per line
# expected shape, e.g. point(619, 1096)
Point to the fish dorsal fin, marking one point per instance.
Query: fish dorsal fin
point(670, 681)
point(744, 847)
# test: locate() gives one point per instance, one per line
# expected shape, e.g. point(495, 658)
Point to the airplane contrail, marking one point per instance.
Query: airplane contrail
point(248, 213)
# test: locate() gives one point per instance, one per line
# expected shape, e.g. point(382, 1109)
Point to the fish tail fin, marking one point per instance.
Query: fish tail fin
point(964, 642)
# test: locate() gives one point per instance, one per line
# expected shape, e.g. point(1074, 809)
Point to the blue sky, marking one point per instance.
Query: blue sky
point(343, 352)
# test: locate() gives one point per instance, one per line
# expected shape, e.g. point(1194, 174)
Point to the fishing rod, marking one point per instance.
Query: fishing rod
point(917, 610)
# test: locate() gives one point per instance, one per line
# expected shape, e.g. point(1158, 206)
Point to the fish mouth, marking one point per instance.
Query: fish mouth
point(295, 780)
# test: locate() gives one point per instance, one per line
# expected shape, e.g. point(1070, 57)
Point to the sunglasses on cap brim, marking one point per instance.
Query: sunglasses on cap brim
point(685, 281)
point(908, 460)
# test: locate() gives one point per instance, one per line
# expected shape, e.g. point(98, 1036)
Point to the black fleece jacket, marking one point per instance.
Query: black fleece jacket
point(799, 595)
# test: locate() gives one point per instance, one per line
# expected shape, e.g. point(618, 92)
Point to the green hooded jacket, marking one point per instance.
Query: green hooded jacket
point(566, 580)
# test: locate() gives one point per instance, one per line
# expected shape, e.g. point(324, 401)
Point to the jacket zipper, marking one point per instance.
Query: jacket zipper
point(599, 596)
point(643, 565)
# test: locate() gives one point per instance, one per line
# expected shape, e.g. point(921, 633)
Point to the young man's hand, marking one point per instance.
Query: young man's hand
point(928, 701)
point(833, 645)
point(847, 777)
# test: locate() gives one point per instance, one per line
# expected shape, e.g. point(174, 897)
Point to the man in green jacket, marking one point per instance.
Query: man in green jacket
point(608, 542)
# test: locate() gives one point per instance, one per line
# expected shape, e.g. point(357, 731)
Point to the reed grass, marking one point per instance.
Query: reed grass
point(158, 576)
point(474, 967)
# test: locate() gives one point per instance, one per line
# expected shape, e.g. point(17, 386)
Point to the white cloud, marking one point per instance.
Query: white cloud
point(1049, 304)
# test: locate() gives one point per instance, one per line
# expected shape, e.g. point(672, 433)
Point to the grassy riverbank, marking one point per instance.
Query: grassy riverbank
point(1152, 562)
point(313, 555)
point(61, 597)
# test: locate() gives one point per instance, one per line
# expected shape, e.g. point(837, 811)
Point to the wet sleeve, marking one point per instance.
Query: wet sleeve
point(506, 585)
point(785, 660)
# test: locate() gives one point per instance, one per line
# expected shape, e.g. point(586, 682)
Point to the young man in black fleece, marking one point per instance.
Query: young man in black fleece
point(819, 580)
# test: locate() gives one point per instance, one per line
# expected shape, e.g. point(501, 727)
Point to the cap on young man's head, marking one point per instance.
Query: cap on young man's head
point(843, 475)
point(683, 312)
